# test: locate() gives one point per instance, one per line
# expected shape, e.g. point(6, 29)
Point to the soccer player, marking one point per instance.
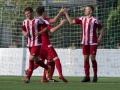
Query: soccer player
point(47, 49)
point(31, 29)
point(90, 40)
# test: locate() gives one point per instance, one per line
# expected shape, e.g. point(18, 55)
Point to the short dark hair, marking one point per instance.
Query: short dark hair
point(28, 9)
point(40, 10)
point(90, 6)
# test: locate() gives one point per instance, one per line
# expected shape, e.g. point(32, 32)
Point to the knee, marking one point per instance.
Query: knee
point(86, 58)
point(93, 58)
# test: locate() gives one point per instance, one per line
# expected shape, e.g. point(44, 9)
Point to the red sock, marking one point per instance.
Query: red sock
point(58, 66)
point(94, 65)
point(30, 70)
point(44, 73)
point(52, 64)
point(36, 65)
point(86, 68)
point(41, 63)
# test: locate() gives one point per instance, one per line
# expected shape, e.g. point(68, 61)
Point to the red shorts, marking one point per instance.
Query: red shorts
point(35, 50)
point(89, 49)
point(47, 53)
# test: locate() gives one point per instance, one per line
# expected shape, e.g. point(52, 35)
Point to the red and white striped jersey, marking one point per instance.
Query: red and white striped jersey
point(89, 27)
point(32, 26)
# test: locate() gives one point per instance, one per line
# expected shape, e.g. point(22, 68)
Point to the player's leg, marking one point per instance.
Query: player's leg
point(48, 53)
point(59, 68)
point(31, 66)
point(30, 70)
point(44, 78)
point(42, 64)
point(41, 57)
point(52, 55)
point(35, 67)
point(52, 64)
point(49, 78)
point(38, 63)
point(93, 50)
point(86, 52)
point(34, 51)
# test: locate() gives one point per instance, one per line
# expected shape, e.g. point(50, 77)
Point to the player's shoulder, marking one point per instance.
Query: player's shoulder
point(95, 18)
point(82, 17)
point(25, 20)
point(46, 20)
point(39, 20)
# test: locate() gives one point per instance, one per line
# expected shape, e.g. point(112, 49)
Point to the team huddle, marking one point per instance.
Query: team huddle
point(37, 29)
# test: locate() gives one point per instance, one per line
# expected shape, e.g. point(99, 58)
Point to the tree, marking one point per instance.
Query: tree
point(13, 15)
point(113, 25)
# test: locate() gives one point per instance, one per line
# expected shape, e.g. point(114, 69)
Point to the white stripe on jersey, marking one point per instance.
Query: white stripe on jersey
point(83, 19)
point(86, 31)
point(86, 35)
point(91, 30)
point(32, 27)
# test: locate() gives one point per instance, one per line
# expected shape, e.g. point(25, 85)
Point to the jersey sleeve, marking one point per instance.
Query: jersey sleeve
point(99, 25)
point(48, 19)
point(78, 20)
point(49, 26)
point(23, 26)
point(41, 21)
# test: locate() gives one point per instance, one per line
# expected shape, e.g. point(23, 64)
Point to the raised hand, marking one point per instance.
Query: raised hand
point(65, 10)
point(62, 21)
point(62, 10)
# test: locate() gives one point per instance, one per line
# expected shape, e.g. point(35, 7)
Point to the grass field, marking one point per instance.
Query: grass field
point(15, 83)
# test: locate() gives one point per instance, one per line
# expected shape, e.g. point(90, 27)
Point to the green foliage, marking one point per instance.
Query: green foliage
point(13, 15)
point(20, 3)
point(113, 19)
point(113, 25)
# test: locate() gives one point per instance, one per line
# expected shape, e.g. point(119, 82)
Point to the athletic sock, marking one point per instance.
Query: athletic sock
point(52, 64)
point(44, 73)
point(30, 70)
point(94, 66)
point(58, 66)
point(86, 68)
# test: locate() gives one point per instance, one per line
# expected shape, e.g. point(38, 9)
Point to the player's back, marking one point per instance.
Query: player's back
point(45, 35)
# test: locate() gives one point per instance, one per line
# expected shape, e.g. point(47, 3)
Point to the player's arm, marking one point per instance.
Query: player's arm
point(101, 35)
point(55, 19)
point(68, 18)
point(58, 26)
point(25, 33)
point(41, 31)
